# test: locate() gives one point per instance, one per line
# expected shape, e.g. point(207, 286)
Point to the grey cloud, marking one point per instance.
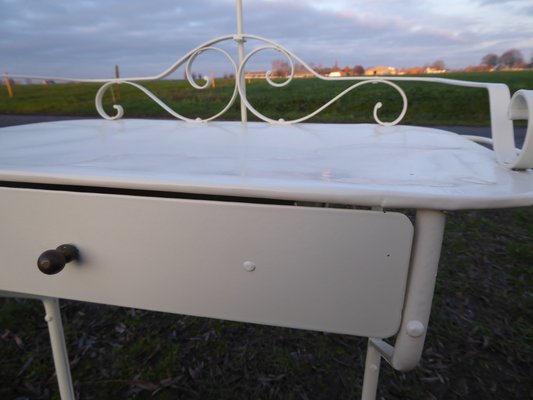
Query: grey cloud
point(489, 2)
point(517, 7)
point(87, 38)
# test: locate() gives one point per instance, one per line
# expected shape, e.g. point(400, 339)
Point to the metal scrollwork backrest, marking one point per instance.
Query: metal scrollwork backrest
point(240, 83)
point(503, 109)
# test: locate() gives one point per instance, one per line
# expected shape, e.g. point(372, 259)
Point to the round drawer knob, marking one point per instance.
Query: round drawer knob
point(53, 261)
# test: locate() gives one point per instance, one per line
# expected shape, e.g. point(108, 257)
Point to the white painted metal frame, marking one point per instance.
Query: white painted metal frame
point(407, 349)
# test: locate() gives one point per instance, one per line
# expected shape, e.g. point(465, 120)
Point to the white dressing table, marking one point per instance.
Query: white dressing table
point(222, 219)
point(201, 219)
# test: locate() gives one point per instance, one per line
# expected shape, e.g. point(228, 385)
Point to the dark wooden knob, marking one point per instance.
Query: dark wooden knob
point(53, 261)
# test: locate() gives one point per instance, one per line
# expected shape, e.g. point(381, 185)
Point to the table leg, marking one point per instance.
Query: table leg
point(59, 349)
point(409, 343)
point(371, 376)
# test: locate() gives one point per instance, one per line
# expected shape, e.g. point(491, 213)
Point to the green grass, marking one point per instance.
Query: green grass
point(479, 344)
point(429, 104)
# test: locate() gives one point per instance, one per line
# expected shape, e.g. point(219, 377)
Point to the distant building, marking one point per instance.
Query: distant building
point(381, 70)
point(303, 74)
point(412, 71)
point(432, 70)
point(255, 75)
point(262, 75)
point(335, 71)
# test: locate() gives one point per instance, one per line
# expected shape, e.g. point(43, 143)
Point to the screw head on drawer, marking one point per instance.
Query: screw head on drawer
point(249, 266)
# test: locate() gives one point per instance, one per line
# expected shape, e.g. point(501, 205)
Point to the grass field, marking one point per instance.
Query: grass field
point(480, 340)
point(429, 104)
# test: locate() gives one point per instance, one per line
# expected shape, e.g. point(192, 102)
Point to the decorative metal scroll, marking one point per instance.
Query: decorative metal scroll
point(240, 86)
point(188, 60)
point(292, 58)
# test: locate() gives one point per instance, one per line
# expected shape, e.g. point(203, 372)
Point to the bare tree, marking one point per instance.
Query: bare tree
point(438, 64)
point(512, 58)
point(358, 70)
point(490, 60)
point(280, 67)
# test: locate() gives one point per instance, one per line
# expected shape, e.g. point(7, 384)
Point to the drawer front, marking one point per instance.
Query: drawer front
point(333, 270)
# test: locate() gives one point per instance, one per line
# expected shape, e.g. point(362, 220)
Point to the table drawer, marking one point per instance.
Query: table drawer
point(334, 270)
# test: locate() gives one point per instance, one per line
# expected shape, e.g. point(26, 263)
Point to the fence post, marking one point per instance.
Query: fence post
point(115, 89)
point(117, 75)
point(8, 85)
point(213, 83)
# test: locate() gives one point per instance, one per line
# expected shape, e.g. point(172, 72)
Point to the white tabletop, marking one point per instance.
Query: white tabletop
point(362, 164)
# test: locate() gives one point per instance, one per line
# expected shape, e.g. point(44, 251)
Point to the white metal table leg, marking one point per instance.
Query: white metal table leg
point(371, 377)
point(59, 349)
point(429, 231)
point(409, 343)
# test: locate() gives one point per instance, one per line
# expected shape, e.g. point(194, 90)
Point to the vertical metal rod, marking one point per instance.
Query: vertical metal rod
point(240, 47)
point(371, 377)
point(59, 349)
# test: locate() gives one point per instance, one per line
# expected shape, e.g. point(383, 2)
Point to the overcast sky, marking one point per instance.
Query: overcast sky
point(83, 38)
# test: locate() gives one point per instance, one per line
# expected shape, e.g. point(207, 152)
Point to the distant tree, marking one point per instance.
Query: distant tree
point(490, 60)
point(531, 62)
point(347, 71)
point(280, 67)
point(511, 58)
point(358, 70)
point(439, 64)
point(299, 67)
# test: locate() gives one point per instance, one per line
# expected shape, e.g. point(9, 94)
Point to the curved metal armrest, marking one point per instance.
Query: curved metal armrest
point(521, 108)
